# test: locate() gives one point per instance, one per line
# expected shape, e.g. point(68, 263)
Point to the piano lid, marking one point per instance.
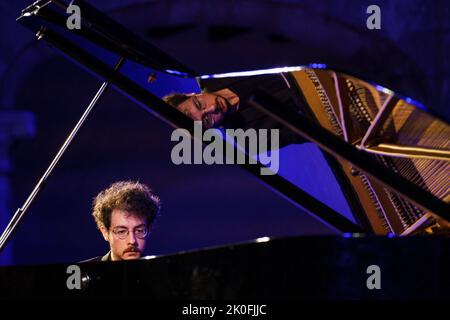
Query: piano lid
point(99, 34)
point(99, 44)
point(100, 53)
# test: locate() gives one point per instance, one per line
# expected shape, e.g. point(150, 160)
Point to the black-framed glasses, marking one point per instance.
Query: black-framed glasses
point(122, 233)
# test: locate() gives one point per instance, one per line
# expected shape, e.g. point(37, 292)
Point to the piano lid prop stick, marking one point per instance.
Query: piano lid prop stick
point(18, 215)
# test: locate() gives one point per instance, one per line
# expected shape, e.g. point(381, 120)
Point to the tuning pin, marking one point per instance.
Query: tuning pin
point(354, 172)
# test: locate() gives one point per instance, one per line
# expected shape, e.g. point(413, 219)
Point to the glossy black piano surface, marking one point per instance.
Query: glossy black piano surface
point(286, 268)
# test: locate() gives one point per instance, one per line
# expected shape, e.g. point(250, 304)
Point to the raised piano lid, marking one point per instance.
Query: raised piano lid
point(99, 31)
point(99, 44)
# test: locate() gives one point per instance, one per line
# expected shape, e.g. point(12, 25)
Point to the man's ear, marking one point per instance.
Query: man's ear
point(104, 232)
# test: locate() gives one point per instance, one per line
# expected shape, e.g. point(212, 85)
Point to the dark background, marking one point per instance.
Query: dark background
point(42, 95)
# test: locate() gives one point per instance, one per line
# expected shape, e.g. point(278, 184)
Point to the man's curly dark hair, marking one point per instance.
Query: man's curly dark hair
point(175, 99)
point(130, 196)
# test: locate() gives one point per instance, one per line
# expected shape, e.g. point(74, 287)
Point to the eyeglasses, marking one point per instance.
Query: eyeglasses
point(197, 103)
point(218, 105)
point(122, 233)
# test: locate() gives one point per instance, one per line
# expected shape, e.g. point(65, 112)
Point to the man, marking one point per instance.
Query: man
point(125, 213)
point(223, 102)
point(211, 108)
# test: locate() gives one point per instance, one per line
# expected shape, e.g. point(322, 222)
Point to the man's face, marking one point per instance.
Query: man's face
point(126, 235)
point(207, 107)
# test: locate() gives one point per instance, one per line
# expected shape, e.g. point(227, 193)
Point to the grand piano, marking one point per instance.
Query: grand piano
point(312, 268)
point(391, 159)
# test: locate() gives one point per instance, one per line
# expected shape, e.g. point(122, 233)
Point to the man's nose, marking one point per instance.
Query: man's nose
point(131, 238)
point(211, 109)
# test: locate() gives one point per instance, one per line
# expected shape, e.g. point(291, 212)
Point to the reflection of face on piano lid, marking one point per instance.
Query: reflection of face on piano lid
point(127, 235)
point(210, 108)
